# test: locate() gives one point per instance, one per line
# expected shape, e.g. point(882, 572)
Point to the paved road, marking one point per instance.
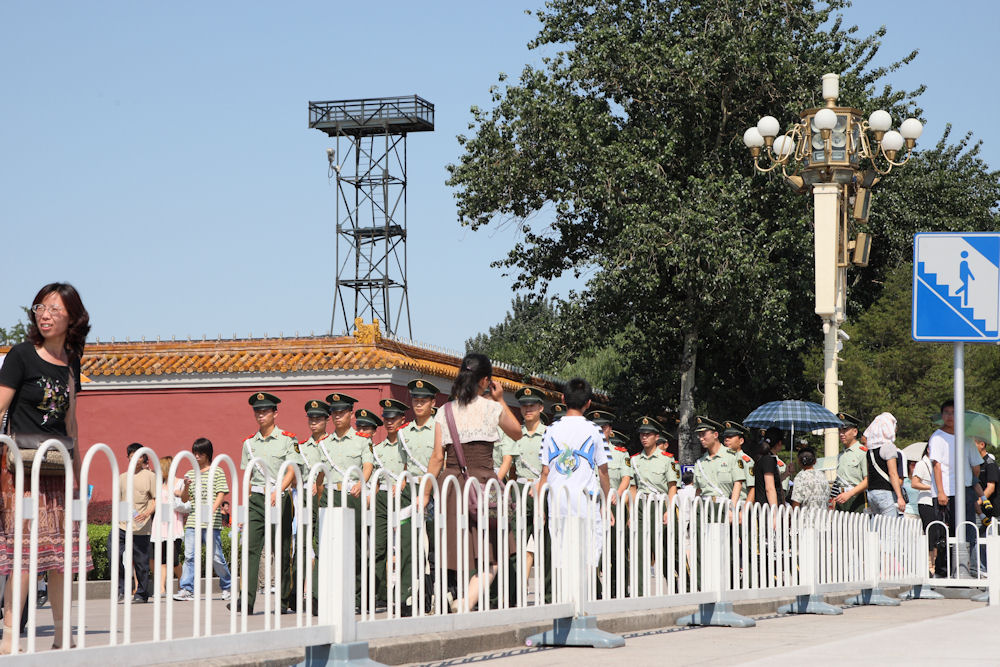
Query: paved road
point(920, 632)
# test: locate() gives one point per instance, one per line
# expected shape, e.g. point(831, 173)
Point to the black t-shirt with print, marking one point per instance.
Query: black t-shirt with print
point(41, 391)
point(988, 472)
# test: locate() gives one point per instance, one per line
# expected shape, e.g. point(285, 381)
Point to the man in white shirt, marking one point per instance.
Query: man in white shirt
point(941, 448)
point(572, 449)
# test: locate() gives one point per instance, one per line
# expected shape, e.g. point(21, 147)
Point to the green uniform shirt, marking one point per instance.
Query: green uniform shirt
point(619, 466)
point(342, 453)
point(501, 448)
point(715, 475)
point(420, 445)
point(527, 453)
point(656, 472)
point(390, 456)
point(782, 469)
point(275, 449)
point(311, 454)
point(852, 465)
point(744, 471)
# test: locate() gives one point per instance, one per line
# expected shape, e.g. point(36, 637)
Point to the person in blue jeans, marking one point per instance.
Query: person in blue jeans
point(212, 490)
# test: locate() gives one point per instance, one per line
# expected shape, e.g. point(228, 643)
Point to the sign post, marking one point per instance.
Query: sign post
point(956, 299)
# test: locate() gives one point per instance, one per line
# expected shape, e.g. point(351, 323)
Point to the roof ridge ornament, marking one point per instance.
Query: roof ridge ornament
point(367, 334)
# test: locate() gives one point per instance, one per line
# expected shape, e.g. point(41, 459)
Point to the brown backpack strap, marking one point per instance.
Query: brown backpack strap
point(455, 440)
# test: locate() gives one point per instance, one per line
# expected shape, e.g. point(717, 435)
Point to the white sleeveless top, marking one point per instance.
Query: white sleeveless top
point(476, 421)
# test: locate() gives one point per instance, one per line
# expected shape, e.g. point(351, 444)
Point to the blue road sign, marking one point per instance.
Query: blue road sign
point(956, 287)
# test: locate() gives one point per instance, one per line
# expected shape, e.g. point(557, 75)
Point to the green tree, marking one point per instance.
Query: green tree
point(16, 333)
point(627, 142)
point(885, 370)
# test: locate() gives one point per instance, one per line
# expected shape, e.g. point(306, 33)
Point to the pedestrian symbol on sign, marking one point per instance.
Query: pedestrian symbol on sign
point(956, 287)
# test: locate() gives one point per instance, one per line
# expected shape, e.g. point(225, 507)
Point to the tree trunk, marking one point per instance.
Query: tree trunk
point(690, 448)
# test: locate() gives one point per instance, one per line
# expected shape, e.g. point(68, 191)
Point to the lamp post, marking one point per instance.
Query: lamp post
point(829, 153)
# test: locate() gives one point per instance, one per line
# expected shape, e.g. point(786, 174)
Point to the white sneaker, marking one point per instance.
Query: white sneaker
point(227, 595)
point(183, 595)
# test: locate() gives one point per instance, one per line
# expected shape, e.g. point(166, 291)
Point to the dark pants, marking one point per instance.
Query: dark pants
point(255, 534)
point(403, 548)
point(948, 514)
point(140, 563)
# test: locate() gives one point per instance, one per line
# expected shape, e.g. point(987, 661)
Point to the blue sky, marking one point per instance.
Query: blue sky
point(157, 155)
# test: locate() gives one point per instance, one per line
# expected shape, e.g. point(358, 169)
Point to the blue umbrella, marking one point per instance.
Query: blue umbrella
point(792, 415)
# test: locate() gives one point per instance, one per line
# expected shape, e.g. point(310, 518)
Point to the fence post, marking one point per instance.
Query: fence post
point(813, 603)
point(873, 563)
point(715, 554)
point(575, 556)
point(922, 591)
point(336, 574)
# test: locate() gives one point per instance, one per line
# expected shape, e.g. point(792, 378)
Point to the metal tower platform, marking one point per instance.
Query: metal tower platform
point(370, 163)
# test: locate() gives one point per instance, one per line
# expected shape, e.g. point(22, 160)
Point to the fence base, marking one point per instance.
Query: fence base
point(580, 631)
point(354, 654)
point(873, 596)
point(810, 604)
point(920, 592)
point(982, 597)
point(717, 613)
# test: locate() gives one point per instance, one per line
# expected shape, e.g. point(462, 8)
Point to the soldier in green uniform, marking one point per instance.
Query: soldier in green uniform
point(343, 450)
point(274, 447)
point(558, 411)
point(390, 458)
point(620, 477)
point(655, 472)
point(526, 454)
point(852, 468)
point(716, 474)
point(317, 416)
point(734, 437)
point(417, 440)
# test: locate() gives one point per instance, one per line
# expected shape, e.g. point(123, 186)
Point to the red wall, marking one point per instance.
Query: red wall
point(169, 420)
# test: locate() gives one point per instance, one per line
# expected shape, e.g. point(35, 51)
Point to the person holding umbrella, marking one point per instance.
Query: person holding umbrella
point(852, 468)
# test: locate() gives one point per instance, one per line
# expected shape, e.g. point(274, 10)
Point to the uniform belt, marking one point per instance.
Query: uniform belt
point(383, 486)
point(257, 489)
point(525, 480)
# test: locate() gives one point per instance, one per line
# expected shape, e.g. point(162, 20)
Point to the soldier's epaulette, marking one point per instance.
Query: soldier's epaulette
point(667, 454)
point(288, 434)
point(781, 463)
point(746, 458)
point(634, 455)
point(863, 448)
point(621, 449)
point(302, 442)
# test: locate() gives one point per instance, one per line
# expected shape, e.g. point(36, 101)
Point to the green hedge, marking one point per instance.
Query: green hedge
point(97, 535)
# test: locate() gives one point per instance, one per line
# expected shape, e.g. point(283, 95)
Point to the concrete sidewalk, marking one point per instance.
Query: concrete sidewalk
point(920, 632)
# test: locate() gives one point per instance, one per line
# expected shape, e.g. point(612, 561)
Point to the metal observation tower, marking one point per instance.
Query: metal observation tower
point(370, 162)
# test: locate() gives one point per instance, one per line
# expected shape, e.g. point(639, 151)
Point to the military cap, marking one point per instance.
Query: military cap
point(434, 411)
point(528, 395)
point(849, 421)
point(558, 411)
point(317, 409)
point(706, 424)
point(732, 428)
point(618, 439)
point(600, 417)
point(392, 408)
point(649, 425)
point(339, 401)
point(422, 388)
point(261, 400)
point(545, 419)
point(367, 418)
point(666, 436)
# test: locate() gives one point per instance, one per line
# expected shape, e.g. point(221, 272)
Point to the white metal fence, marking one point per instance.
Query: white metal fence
point(607, 556)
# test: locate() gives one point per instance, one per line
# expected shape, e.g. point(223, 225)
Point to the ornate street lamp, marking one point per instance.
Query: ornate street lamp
point(839, 156)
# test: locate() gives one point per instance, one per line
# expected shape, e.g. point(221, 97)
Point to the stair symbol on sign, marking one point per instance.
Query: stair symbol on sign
point(955, 302)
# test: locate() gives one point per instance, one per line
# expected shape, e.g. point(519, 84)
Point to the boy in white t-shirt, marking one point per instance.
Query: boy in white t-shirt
point(572, 449)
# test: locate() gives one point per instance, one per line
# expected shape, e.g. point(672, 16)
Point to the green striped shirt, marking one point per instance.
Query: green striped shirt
point(207, 496)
